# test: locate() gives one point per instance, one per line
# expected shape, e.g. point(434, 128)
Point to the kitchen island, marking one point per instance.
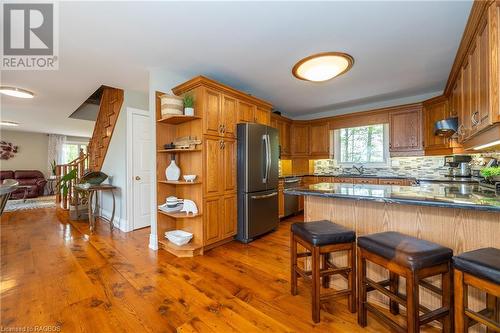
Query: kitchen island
point(462, 217)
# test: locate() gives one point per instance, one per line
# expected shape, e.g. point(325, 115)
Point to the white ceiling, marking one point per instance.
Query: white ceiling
point(400, 49)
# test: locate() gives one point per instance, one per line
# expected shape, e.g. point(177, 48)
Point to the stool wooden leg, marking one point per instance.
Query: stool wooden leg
point(315, 284)
point(361, 289)
point(493, 306)
point(293, 265)
point(461, 320)
point(447, 299)
point(351, 281)
point(326, 278)
point(394, 287)
point(412, 302)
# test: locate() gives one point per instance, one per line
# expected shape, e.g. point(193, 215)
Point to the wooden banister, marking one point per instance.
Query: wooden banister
point(80, 164)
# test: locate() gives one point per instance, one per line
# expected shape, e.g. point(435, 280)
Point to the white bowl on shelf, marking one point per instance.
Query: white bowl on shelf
point(178, 237)
point(189, 178)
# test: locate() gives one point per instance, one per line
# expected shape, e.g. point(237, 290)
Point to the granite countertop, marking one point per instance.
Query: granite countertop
point(346, 176)
point(466, 196)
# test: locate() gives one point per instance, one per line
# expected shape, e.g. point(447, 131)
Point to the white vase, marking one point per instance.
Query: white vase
point(189, 111)
point(173, 172)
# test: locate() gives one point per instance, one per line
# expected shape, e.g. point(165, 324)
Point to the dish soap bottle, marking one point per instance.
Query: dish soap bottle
point(173, 172)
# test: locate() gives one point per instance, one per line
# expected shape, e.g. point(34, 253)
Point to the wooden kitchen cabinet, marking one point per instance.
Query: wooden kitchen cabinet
point(220, 159)
point(393, 181)
point(212, 118)
point(262, 116)
point(282, 124)
point(220, 217)
point(229, 116)
point(299, 137)
point(230, 216)
point(372, 181)
point(343, 180)
point(319, 137)
point(246, 112)
point(405, 132)
point(482, 118)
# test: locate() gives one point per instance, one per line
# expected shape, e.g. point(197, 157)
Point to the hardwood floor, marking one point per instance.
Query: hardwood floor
point(54, 274)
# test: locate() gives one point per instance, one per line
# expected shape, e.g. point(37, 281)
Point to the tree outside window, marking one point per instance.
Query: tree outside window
point(367, 145)
point(72, 150)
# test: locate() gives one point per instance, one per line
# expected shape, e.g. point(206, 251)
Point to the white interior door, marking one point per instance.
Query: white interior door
point(141, 170)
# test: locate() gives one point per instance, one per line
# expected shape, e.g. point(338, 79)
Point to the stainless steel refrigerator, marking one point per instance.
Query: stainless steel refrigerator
point(258, 156)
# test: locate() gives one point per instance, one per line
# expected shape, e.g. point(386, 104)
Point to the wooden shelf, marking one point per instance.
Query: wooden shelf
point(177, 119)
point(178, 150)
point(188, 250)
point(178, 182)
point(179, 215)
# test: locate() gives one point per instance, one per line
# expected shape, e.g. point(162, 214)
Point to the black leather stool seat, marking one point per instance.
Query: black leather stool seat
point(324, 232)
point(483, 263)
point(405, 250)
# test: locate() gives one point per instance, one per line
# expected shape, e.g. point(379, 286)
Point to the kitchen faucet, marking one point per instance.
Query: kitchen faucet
point(360, 169)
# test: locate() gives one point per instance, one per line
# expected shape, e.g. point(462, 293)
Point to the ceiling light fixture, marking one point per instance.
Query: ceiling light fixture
point(322, 66)
point(8, 123)
point(16, 92)
point(491, 144)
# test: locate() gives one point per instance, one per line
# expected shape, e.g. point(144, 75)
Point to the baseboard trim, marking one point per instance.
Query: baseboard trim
point(118, 222)
point(153, 242)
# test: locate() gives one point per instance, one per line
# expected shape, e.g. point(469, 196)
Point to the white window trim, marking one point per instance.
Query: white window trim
point(385, 164)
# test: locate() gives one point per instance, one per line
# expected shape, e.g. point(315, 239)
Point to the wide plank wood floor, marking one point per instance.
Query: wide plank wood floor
point(54, 273)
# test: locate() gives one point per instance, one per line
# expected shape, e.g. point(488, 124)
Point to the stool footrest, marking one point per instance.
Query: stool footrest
point(480, 318)
point(431, 287)
point(304, 254)
point(379, 314)
point(434, 315)
point(333, 294)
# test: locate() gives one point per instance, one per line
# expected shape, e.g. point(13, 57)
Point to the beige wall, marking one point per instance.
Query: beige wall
point(32, 152)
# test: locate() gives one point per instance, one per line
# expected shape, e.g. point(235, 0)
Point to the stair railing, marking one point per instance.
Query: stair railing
point(80, 164)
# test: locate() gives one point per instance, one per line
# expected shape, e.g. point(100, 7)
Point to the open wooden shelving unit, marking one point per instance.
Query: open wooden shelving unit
point(190, 162)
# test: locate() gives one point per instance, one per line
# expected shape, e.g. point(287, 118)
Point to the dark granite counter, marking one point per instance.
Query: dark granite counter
point(465, 196)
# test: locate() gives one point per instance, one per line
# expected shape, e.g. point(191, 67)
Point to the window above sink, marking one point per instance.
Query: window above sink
point(364, 145)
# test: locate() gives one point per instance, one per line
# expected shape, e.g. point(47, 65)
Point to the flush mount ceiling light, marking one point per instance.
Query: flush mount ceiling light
point(16, 92)
point(8, 123)
point(322, 66)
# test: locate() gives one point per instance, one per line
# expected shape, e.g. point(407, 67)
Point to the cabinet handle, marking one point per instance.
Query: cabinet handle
point(220, 128)
point(474, 120)
point(220, 144)
point(224, 129)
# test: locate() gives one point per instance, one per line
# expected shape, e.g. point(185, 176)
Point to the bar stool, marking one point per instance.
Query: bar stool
point(479, 269)
point(413, 259)
point(321, 238)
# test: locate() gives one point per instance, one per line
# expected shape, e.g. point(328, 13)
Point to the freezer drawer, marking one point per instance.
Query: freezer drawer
point(257, 214)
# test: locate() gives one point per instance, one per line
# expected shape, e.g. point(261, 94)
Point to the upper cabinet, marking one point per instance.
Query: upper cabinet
point(246, 112)
point(319, 136)
point(434, 110)
point(262, 116)
point(405, 131)
point(299, 137)
point(282, 124)
point(473, 87)
point(229, 116)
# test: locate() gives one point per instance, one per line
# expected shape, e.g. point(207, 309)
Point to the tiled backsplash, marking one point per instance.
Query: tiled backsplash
point(420, 166)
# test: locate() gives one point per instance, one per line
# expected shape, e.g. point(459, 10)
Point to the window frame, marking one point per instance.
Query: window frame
point(337, 153)
point(79, 144)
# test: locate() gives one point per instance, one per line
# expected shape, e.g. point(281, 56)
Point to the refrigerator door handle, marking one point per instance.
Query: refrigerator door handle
point(264, 196)
point(266, 168)
point(269, 159)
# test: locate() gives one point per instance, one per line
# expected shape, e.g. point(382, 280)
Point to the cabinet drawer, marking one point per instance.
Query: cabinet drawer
point(325, 179)
point(385, 181)
point(365, 180)
point(342, 180)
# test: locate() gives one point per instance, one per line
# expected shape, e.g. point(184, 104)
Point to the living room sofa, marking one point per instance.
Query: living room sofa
point(33, 179)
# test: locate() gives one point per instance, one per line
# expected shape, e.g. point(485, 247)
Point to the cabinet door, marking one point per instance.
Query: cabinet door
point(466, 112)
point(229, 116)
point(285, 137)
point(299, 139)
point(474, 96)
point(483, 116)
point(262, 116)
point(229, 219)
point(405, 130)
point(399, 182)
point(212, 209)
point(366, 181)
point(229, 165)
point(343, 180)
point(212, 116)
point(318, 138)
point(432, 113)
point(246, 112)
point(213, 161)
point(274, 123)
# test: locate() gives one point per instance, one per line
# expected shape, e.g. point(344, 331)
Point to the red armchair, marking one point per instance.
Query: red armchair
point(33, 179)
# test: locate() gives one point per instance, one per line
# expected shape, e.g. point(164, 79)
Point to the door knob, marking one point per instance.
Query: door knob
point(137, 178)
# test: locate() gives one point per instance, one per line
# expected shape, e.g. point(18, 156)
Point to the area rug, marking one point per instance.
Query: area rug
point(34, 203)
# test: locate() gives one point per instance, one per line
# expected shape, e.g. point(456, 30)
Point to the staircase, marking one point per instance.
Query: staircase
point(109, 110)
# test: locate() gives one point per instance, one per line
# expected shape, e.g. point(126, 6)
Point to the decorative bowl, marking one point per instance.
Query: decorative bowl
point(189, 178)
point(94, 177)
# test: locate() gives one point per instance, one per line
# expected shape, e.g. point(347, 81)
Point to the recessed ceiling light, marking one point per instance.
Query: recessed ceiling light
point(322, 66)
point(8, 123)
point(16, 92)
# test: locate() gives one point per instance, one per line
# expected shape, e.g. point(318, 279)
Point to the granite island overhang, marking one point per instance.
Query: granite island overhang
point(462, 217)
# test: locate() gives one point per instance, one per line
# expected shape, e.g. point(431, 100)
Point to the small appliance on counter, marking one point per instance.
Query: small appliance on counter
point(459, 165)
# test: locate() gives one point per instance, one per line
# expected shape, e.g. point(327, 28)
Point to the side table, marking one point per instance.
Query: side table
point(93, 192)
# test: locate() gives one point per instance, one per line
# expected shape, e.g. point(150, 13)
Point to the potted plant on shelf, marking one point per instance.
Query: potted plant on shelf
point(188, 105)
point(491, 174)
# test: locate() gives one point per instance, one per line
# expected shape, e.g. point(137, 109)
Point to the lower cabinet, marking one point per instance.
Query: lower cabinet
point(365, 180)
point(220, 218)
